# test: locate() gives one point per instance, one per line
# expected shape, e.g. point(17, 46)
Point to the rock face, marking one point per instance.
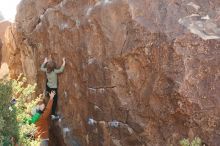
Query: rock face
point(1, 43)
point(3, 26)
point(151, 65)
point(4, 68)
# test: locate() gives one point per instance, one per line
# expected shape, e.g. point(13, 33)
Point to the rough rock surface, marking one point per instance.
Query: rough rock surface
point(1, 44)
point(152, 65)
point(3, 26)
point(4, 68)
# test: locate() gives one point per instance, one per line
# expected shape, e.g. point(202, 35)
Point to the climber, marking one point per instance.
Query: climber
point(52, 82)
point(43, 124)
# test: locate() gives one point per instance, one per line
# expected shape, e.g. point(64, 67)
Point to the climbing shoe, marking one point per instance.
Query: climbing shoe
point(55, 117)
point(91, 121)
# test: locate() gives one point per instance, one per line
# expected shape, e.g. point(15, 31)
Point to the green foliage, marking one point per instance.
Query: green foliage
point(195, 142)
point(6, 116)
point(185, 142)
point(12, 125)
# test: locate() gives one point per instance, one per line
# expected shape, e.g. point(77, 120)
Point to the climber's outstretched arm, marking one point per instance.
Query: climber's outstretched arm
point(47, 111)
point(42, 68)
point(61, 69)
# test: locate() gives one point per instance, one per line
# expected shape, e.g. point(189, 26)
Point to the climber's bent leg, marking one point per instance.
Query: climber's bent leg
point(47, 91)
point(54, 106)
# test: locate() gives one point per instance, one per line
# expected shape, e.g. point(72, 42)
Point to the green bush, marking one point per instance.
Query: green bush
point(9, 126)
point(195, 142)
point(12, 125)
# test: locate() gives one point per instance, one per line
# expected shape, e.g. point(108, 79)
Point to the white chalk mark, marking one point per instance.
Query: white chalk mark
point(194, 6)
point(205, 17)
point(116, 142)
point(130, 130)
point(65, 131)
point(204, 27)
point(91, 60)
point(89, 10)
point(63, 26)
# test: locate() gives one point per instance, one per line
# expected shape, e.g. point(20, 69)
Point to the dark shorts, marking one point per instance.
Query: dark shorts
point(54, 106)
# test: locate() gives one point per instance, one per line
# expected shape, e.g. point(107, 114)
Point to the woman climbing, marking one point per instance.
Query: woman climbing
point(52, 83)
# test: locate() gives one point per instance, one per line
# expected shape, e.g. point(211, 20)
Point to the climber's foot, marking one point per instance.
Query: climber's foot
point(55, 117)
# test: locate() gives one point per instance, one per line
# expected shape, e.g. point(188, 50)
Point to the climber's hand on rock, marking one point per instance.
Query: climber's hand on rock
point(45, 60)
point(52, 93)
point(64, 61)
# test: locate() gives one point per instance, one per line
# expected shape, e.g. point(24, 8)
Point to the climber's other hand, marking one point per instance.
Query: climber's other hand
point(64, 61)
point(45, 60)
point(52, 93)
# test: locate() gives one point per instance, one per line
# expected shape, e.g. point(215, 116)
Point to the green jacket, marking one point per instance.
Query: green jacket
point(33, 119)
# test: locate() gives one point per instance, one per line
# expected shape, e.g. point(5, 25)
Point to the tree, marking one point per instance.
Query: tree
point(16, 98)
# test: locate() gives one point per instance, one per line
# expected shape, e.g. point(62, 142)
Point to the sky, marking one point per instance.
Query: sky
point(8, 8)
